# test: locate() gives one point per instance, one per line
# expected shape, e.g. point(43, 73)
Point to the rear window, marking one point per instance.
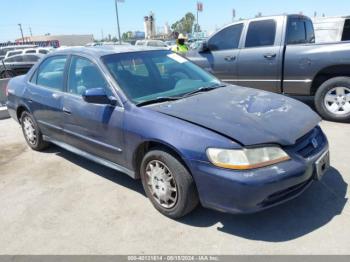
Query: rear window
point(299, 31)
point(51, 72)
point(261, 33)
point(30, 52)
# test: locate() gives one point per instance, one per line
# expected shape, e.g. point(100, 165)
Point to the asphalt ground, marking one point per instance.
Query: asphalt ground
point(55, 202)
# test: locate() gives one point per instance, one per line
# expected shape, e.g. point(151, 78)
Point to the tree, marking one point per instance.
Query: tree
point(185, 24)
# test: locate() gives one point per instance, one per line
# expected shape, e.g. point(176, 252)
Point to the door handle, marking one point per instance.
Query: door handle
point(230, 58)
point(270, 56)
point(66, 111)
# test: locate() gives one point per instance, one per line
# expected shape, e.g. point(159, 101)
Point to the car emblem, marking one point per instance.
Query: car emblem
point(314, 142)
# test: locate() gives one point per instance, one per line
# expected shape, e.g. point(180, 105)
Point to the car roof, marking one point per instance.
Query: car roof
point(98, 51)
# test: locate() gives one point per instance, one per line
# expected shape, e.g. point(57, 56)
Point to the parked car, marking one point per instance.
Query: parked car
point(332, 29)
point(154, 115)
point(278, 54)
point(38, 50)
point(5, 49)
point(152, 43)
point(18, 65)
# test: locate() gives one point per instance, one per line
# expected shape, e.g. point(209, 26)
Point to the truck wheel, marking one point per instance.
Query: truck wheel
point(32, 133)
point(168, 184)
point(332, 99)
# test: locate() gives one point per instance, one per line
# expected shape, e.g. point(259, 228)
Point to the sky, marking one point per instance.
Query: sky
point(95, 16)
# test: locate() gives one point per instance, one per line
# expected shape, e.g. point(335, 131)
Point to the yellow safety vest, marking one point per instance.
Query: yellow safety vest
point(181, 49)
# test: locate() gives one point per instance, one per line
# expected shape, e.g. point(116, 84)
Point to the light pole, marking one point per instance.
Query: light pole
point(20, 28)
point(117, 13)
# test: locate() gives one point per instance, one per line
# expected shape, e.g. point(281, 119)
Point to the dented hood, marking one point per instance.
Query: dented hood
point(249, 116)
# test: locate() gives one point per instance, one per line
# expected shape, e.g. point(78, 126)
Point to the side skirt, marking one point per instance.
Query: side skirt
point(91, 157)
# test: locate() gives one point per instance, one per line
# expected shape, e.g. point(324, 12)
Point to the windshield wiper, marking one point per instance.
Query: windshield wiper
point(204, 89)
point(158, 100)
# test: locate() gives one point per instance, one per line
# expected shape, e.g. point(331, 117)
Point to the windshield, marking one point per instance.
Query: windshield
point(145, 76)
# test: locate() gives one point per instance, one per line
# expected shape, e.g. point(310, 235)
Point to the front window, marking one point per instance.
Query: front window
point(149, 75)
point(227, 38)
point(83, 75)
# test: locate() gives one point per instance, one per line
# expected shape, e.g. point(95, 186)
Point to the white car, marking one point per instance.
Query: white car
point(153, 43)
point(5, 49)
point(37, 50)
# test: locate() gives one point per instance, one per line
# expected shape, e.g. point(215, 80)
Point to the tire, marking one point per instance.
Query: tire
point(329, 102)
point(181, 202)
point(31, 132)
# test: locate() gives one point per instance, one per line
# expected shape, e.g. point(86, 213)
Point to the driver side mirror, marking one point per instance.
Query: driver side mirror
point(204, 47)
point(98, 96)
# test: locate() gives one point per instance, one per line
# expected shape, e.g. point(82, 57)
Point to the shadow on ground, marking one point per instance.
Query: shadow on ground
point(317, 206)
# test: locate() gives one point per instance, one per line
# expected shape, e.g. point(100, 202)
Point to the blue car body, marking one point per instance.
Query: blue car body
point(229, 117)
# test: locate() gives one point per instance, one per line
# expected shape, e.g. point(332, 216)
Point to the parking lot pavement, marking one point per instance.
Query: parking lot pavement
point(58, 203)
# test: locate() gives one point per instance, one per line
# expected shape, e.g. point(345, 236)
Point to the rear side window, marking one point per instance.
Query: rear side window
point(227, 38)
point(30, 58)
point(43, 51)
point(261, 33)
point(14, 59)
point(346, 32)
point(299, 31)
point(51, 72)
point(30, 52)
point(14, 53)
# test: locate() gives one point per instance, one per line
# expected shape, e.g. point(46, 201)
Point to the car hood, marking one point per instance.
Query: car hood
point(248, 116)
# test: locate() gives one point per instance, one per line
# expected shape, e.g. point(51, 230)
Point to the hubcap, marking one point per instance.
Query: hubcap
point(29, 130)
point(337, 100)
point(161, 183)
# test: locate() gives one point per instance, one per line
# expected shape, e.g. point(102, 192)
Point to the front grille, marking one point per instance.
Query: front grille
point(309, 144)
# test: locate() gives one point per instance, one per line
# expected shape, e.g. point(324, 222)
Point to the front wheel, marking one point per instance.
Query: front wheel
point(332, 99)
point(168, 184)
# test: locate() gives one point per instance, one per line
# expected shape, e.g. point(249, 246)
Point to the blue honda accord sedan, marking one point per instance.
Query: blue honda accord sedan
point(155, 116)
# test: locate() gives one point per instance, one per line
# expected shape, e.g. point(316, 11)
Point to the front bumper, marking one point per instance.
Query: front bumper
point(254, 190)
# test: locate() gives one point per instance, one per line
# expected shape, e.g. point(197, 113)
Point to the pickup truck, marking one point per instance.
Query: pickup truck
point(279, 54)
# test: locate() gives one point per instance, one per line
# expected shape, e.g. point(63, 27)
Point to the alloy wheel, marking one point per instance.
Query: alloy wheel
point(337, 100)
point(29, 130)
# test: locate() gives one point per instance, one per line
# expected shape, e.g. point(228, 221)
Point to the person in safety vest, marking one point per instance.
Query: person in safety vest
point(180, 48)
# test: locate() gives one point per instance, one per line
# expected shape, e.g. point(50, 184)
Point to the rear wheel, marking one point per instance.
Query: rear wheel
point(32, 133)
point(332, 99)
point(168, 184)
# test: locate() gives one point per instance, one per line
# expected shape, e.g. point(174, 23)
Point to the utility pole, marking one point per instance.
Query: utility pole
point(20, 28)
point(30, 31)
point(116, 10)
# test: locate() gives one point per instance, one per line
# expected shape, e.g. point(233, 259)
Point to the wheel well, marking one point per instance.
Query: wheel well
point(19, 112)
point(328, 73)
point(145, 147)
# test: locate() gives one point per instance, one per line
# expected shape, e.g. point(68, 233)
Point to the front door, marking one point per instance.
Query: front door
point(93, 128)
point(260, 61)
point(223, 53)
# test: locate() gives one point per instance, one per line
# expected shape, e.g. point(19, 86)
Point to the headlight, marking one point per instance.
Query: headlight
point(243, 159)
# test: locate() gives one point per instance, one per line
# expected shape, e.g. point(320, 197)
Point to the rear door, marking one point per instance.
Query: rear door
point(93, 128)
point(45, 95)
point(260, 61)
point(223, 53)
